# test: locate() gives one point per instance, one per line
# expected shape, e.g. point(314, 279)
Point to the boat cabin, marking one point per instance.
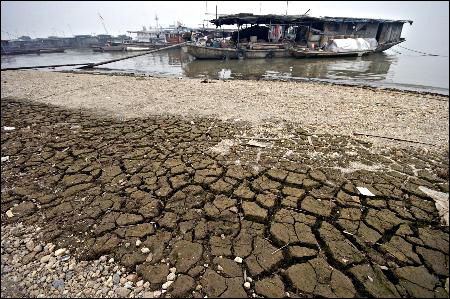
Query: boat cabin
point(311, 32)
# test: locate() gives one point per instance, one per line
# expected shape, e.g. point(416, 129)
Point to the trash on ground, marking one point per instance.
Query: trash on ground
point(365, 191)
point(440, 200)
point(9, 128)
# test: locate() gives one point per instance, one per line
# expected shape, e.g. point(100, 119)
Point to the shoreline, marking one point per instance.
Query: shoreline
point(318, 107)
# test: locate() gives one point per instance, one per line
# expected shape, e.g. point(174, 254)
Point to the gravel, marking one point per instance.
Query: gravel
point(320, 108)
point(52, 272)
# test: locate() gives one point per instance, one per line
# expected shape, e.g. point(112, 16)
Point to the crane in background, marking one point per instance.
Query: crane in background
point(103, 23)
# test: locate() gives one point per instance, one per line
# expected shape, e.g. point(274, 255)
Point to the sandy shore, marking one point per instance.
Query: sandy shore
point(320, 108)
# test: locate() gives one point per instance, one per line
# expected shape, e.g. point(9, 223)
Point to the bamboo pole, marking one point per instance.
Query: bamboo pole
point(92, 65)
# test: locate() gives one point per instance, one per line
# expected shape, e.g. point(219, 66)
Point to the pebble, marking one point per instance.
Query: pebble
point(249, 279)
point(149, 257)
point(123, 280)
point(173, 270)
point(111, 260)
point(103, 259)
point(171, 277)
point(60, 252)
point(198, 287)
point(123, 292)
point(238, 260)
point(45, 259)
point(138, 243)
point(157, 294)
point(58, 284)
point(116, 278)
point(166, 285)
point(140, 283)
point(132, 277)
point(148, 295)
point(219, 267)
point(247, 285)
point(145, 250)
point(30, 245)
point(37, 248)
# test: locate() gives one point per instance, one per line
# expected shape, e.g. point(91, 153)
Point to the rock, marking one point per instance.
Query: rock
point(60, 252)
point(58, 284)
point(138, 243)
point(247, 285)
point(103, 259)
point(140, 283)
point(447, 286)
point(30, 245)
point(45, 259)
point(166, 285)
point(238, 260)
point(37, 248)
point(149, 258)
point(145, 250)
point(123, 292)
point(157, 294)
point(132, 277)
point(148, 295)
point(123, 280)
point(171, 277)
point(116, 278)
point(173, 270)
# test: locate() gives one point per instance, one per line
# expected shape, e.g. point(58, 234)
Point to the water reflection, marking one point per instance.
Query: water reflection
point(381, 69)
point(373, 68)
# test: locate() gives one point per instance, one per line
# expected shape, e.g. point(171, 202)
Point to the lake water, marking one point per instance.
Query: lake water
point(392, 69)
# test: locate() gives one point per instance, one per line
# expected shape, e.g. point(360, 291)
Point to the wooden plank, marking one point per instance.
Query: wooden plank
point(89, 66)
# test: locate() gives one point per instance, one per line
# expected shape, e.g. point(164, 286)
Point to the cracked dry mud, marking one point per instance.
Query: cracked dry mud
point(96, 185)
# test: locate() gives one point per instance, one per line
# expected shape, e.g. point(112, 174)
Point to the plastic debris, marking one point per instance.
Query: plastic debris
point(365, 191)
point(9, 128)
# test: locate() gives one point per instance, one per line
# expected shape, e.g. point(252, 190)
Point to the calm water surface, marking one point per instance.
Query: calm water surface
point(388, 69)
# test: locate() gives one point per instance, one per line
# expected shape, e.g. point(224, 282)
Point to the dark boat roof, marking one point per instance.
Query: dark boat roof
point(248, 18)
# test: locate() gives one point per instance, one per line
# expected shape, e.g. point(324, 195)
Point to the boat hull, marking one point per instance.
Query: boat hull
point(272, 53)
point(201, 52)
point(326, 54)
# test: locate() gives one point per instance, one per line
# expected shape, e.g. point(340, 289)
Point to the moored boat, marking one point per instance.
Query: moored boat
point(203, 52)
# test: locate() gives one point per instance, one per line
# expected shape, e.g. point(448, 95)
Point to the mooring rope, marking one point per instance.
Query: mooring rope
point(428, 54)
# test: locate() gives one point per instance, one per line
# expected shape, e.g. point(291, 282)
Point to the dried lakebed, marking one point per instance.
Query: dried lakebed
point(169, 206)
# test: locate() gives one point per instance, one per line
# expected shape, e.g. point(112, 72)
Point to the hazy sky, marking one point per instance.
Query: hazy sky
point(43, 18)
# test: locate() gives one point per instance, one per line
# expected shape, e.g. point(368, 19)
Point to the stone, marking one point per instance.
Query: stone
point(238, 260)
point(157, 294)
point(254, 212)
point(171, 277)
point(58, 284)
point(247, 285)
point(167, 284)
point(123, 292)
point(45, 259)
point(270, 287)
point(145, 250)
point(60, 252)
point(228, 267)
point(30, 245)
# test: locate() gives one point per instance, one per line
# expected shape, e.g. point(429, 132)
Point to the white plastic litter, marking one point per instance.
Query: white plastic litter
point(365, 191)
point(440, 200)
point(9, 128)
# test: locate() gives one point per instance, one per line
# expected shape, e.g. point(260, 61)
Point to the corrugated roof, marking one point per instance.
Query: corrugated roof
point(248, 18)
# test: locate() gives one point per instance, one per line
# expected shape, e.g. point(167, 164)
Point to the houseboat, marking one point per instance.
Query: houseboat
point(271, 36)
